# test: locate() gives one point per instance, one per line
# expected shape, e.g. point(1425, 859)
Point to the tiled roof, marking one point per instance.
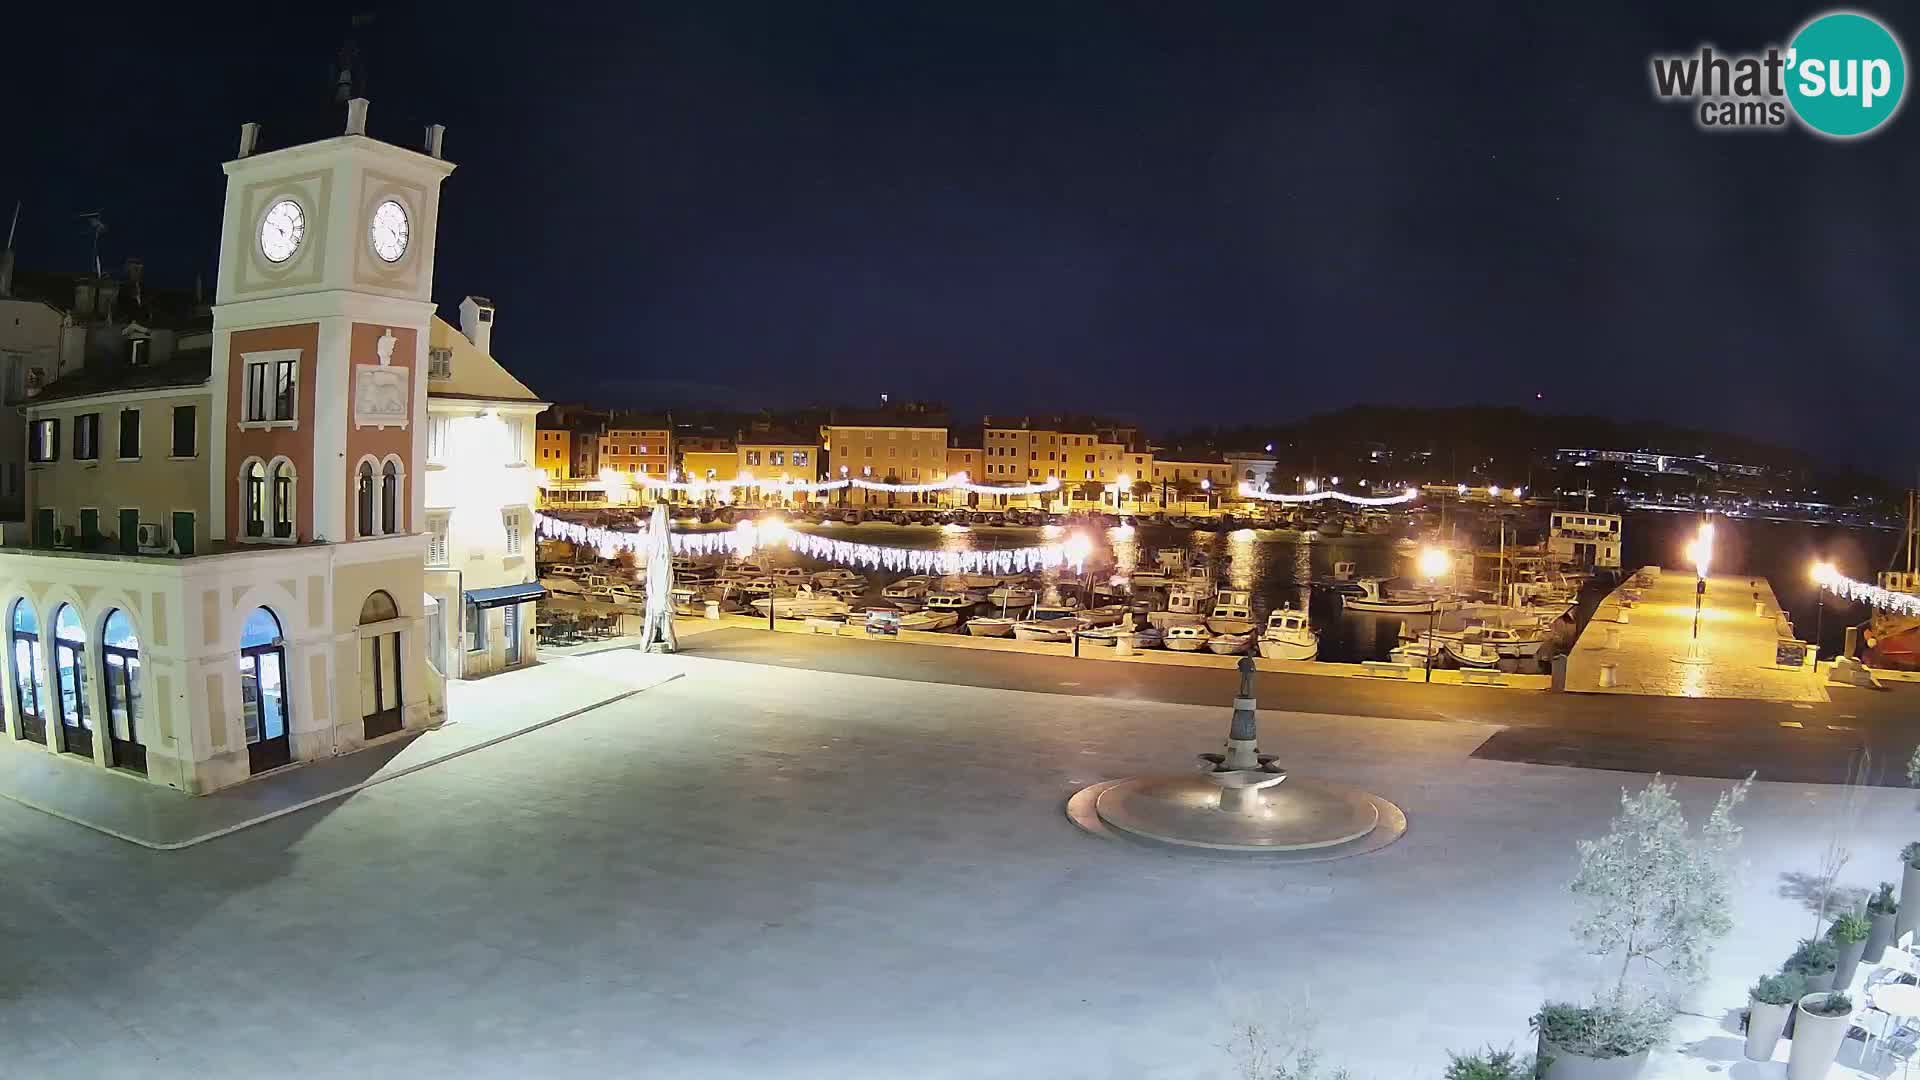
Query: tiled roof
point(188, 367)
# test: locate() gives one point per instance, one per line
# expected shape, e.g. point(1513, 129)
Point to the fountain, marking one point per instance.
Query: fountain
point(1241, 800)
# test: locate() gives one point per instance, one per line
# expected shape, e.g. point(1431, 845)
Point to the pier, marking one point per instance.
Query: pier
point(1641, 641)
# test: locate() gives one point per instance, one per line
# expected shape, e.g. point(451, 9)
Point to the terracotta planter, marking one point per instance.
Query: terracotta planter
point(1567, 1065)
point(1881, 937)
point(1765, 1023)
point(1816, 1040)
point(1849, 962)
point(1903, 921)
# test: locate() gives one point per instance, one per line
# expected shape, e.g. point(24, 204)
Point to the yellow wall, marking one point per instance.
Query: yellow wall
point(710, 464)
point(156, 483)
point(911, 455)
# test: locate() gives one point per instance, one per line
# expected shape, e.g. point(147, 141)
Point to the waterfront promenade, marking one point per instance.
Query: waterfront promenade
point(1652, 651)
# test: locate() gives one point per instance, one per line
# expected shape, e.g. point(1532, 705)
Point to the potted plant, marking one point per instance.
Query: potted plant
point(1814, 961)
point(1849, 936)
point(1769, 1004)
point(1820, 1025)
point(1489, 1064)
point(1607, 1040)
point(1880, 913)
point(1909, 886)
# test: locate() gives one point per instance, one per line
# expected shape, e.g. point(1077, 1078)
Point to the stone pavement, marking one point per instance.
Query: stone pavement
point(1738, 644)
point(755, 871)
point(483, 713)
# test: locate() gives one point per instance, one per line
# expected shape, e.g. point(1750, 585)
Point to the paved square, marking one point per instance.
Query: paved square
point(759, 871)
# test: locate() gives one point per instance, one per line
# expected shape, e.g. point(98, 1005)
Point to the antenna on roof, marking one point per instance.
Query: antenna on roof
point(15, 224)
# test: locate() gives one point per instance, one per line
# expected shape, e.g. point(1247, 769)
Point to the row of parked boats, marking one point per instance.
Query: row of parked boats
point(1322, 523)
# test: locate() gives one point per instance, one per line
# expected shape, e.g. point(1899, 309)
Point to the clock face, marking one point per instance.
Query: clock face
point(282, 230)
point(388, 231)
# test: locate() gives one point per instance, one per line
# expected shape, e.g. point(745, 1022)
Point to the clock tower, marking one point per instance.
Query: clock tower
point(317, 438)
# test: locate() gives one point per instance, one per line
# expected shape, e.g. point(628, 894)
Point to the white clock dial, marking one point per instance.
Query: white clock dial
point(282, 230)
point(388, 230)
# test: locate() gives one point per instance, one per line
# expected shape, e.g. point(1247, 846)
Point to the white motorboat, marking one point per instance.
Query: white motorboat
point(1231, 615)
point(1414, 654)
point(1107, 635)
point(1470, 652)
point(929, 620)
point(1066, 608)
point(957, 603)
point(1343, 570)
point(1199, 582)
point(1170, 565)
point(1055, 629)
point(838, 579)
point(1288, 636)
point(1184, 608)
point(1104, 615)
point(1372, 596)
point(987, 626)
point(1189, 638)
point(791, 575)
point(1011, 598)
point(802, 605)
point(1230, 644)
point(908, 588)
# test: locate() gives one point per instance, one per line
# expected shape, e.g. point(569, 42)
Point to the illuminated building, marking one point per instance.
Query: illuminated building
point(481, 486)
point(906, 445)
point(247, 587)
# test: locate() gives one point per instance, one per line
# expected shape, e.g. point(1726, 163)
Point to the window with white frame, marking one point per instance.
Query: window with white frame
point(511, 519)
point(439, 363)
point(437, 555)
point(800, 458)
point(271, 382)
point(439, 429)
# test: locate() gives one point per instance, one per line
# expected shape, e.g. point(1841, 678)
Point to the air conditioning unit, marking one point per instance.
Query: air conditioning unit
point(62, 536)
point(152, 539)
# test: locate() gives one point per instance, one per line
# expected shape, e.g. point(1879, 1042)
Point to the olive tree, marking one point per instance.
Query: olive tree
point(1659, 890)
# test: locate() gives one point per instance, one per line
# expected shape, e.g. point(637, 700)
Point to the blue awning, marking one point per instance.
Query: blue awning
point(506, 594)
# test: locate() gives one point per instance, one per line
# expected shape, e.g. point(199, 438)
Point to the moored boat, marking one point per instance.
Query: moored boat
point(1230, 644)
point(990, 626)
point(929, 620)
point(1373, 596)
point(1189, 638)
point(1057, 629)
point(1230, 615)
point(1288, 636)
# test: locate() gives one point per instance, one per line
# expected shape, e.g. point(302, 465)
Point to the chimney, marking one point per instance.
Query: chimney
point(6, 272)
point(357, 116)
point(249, 138)
point(436, 134)
point(476, 321)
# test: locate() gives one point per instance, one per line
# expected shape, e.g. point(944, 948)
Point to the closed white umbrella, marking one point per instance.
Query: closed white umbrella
point(658, 635)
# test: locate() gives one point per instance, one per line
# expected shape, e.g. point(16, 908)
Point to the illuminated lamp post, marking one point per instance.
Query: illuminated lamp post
point(1433, 563)
point(1823, 572)
point(1701, 551)
point(1120, 485)
point(1206, 492)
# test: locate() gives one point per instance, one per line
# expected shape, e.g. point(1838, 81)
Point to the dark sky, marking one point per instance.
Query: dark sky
point(1181, 212)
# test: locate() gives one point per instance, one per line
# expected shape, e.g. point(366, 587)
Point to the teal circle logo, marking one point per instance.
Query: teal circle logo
point(1846, 74)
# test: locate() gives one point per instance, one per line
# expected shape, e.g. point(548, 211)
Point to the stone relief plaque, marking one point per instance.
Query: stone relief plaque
point(381, 391)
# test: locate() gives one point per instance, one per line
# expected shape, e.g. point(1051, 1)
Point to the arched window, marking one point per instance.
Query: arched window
point(263, 692)
point(120, 671)
point(254, 494)
point(283, 500)
point(29, 678)
point(378, 608)
point(390, 498)
point(363, 498)
point(70, 676)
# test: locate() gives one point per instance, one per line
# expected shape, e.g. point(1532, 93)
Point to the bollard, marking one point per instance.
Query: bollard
point(1123, 645)
point(713, 610)
point(1759, 607)
point(1613, 637)
point(1609, 675)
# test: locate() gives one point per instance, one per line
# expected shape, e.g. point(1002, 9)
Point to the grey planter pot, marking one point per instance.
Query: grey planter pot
point(1881, 937)
point(1567, 1065)
point(1903, 921)
point(1849, 963)
point(1765, 1023)
point(1816, 1041)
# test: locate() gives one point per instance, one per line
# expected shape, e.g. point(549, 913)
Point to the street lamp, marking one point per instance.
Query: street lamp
point(1120, 485)
point(1824, 572)
point(1701, 552)
point(1433, 562)
point(1206, 492)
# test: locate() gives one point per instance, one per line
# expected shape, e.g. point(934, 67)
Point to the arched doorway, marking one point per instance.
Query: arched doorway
point(380, 697)
point(70, 675)
point(29, 677)
point(263, 692)
point(120, 675)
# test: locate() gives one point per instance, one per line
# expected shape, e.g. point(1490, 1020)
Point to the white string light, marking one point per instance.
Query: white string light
point(1862, 593)
point(747, 536)
point(1247, 491)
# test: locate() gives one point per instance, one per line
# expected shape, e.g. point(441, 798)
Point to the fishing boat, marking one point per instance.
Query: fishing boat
point(1104, 615)
point(1414, 654)
point(1230, 644)
point(1230, 614)
point(1373, 596)
point(1184, 608)
point(929, 620)
point(1107, 635)
point(990, 626)
point(1189, 638)
point(838, 579)
point(1010, 597)
point(1055, 629)
point(802, 605)
point(1288, 636)
point(908, 588)
point(1471, 652)
point(957, 603)
point(1343, 570)
point(1058, 608)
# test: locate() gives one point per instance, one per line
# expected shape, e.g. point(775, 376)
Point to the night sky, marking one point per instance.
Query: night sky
point(1181, 213)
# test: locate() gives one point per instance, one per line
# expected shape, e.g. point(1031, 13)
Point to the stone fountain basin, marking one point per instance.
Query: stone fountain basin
point(1301, 815)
